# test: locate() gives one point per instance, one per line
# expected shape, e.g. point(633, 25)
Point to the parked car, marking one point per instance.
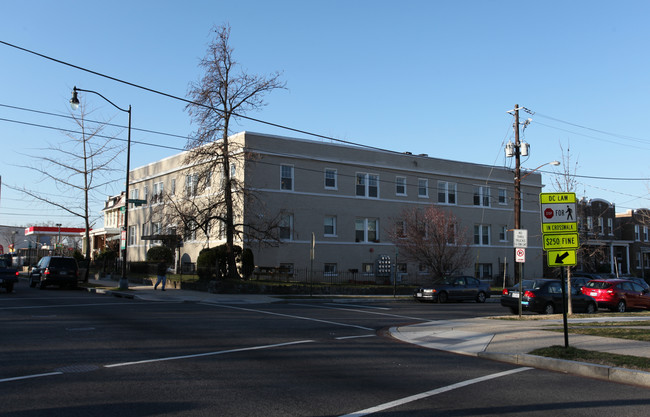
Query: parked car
point(54, 270)
point(639, 281)
point(618, 294)
point(545, 296)
point(8, 275)
point(454, 288)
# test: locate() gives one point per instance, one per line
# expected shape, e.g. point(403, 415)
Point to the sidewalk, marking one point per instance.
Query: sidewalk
point(500, 340)
point(511, 340)
point(171, 294)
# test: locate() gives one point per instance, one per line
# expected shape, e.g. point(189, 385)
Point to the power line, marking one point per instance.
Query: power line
point(151, 90)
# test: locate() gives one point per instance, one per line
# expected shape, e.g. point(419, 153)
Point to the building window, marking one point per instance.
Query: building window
point(132, 233)
point(446, 192)
point(483, 271)
point(330, 270)
point(286, 227)
point(503, 234)
point(145, 197)
point(330, 179)
point(173, 190)
point(601, 226)
point(610, 226)
point(191, 185)
point(423, 269)
point(503, 196)
point(423, 188)
point(157, 196)
point(367, 185)
point(135, 193)
point(190, 231)
point(400, 185)
point(366, 230)
point(482, 196)
point(645, 233)
point(590, 224)
point(482, 234)
point(286, 177)
point(329, 226)
point(638, 260)
point(637, 237)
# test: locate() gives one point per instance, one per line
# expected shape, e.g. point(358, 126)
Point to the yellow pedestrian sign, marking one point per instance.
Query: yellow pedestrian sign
point(560, 241)
point(561, 257)
point(557, 198)
point(559, 227)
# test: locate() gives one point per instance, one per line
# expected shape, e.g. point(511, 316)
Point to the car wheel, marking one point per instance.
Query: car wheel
point(481, 297)
point(41, 285)
point(10, 287)
point(591, 308)
point(442, 297)
point(549, 309)
point(32, 283)
point(620, 307)
point(514, 310)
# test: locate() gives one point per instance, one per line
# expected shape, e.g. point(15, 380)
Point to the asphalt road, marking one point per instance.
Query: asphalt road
point(71, 353)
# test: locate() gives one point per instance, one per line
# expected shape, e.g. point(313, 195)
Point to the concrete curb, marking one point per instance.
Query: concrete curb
point(111, 292)
point(602, 372)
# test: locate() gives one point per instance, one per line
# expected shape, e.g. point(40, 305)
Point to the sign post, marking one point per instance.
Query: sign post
point(560, 237)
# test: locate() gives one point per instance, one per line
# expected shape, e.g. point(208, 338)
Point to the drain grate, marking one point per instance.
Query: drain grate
point(73, 369)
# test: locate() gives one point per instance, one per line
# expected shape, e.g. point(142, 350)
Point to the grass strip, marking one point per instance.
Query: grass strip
point(620, 333)
point(589, 356)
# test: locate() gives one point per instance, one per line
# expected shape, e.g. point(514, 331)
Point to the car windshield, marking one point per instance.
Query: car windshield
point(599, 285)
point(69, 263)
point(531, 283)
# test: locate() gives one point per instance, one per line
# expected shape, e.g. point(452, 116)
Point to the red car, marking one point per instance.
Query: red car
point(617, 294)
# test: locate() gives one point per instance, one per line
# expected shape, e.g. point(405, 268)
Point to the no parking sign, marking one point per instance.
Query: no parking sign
point(520, 255)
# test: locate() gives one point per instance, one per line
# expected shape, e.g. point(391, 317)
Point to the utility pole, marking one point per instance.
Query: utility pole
point(517, 268)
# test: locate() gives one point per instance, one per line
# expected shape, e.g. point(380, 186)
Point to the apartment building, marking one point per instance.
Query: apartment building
point(347, 198)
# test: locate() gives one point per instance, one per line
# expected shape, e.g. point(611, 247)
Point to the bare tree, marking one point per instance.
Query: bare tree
point(80, 170)
point(432, 237)
point(224, 93)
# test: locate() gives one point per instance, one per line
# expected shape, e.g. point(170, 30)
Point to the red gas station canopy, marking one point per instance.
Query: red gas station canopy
point(54, 230)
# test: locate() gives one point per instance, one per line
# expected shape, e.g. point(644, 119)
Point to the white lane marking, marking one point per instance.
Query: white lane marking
point(85, 305)
point(198, 355)
point(17, 378)
point(80, 329)
point(359, 306)
point(289, 315)
point(355, 337)
point(437, 391)
point(361, 311)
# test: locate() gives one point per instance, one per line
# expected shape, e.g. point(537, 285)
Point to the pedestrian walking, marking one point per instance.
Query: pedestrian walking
point(161, 273)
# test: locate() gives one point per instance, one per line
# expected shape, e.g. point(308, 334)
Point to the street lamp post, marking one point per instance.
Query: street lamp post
point(58, 240)
point(74, 103)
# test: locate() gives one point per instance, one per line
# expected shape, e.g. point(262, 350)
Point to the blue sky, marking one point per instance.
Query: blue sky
point(433, 77)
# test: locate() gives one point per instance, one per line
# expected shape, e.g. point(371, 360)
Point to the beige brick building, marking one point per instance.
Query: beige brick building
point(348, 197)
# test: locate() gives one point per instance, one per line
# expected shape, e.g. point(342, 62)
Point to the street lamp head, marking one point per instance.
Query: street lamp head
point(74, 101)
point(555, 163)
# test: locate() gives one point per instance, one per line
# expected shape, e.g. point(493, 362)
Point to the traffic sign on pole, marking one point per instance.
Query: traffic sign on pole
point(520, 255)
point(561, 257)
point(520, 238)
point(563, 241)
